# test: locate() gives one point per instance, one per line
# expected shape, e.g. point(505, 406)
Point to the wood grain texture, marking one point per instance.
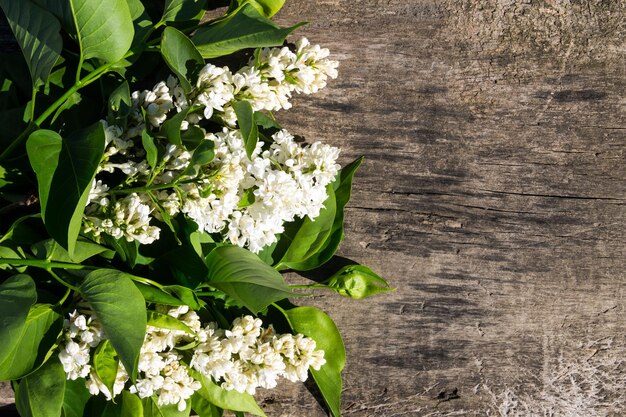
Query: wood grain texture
point(493, 196)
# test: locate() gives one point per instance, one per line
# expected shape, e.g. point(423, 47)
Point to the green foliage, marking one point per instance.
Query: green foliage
point(65, 169)
point(181, 10)
point(34, 344)
point(105, 364)
point(41, 393)
point(306, 237)
point(357, 281)
point(247, 125)
point(246, 278)
point(17, 295)
point(315, 324)
point(104, 29)
point(228, 400)
point(120, 307)
point(267, 7)
point(164, 321)
point(181, 56)
point(31, 25)
point(245, 28)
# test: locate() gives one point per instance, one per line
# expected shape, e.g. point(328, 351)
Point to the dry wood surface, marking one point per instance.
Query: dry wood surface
point(493, 196)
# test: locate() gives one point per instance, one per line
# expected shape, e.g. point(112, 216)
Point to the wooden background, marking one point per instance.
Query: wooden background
point(493, 196)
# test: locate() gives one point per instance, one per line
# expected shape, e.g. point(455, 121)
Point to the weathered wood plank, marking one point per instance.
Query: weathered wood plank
point(493, 196)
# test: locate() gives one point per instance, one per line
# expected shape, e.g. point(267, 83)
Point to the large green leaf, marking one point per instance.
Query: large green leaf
point(38, 337)
point(246, 28)
point(104, 29)
point(306, 237)
point(65, 169)
point(120, 307)
point(181, 55)
point(131, 405)
point(180, 10)
point(228, 400)
point(246, 278)
point(17, 295)
point(343, 187)
point(75, 398)
point(38, 33)
point(316, 324)
point(247, 125)
point(41, 393)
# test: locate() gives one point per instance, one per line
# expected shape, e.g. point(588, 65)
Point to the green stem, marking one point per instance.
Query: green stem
point(67, 294)
point(147, 281)
point(32, 104)
point(58, 278)
point(42, 263)
point(145, 189)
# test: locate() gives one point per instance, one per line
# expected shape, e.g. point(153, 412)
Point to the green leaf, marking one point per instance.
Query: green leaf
point(164, 321)
point(84, 249)
point(357, 281)
point(247, 125)
point(315, 324)
point(104, 29)
point(247, 199)
point(152, 409)
point(41, 393)
point(180, 10)
point(343, 189)
point(266, 121)
point(229, 400)
point(203, 154)
point(65, 169)
point(120, 307)
point(171, 295)
point(120, 103)
point(246, 28)
point(17, 295)
point(268, 7)
point(306, 237)
point(37, 32)
point(246, 278)
point(204, 408)
point(22, 231)
point(131, 405)
point(170, 129)
point(342, 186)
point(181, 55)
point(105, 364)
point(43, 326)
point(141, 20)
point(75, 398)
point(152, 153)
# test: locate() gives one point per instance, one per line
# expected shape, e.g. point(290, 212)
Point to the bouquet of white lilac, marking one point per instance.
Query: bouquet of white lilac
point(150, 200)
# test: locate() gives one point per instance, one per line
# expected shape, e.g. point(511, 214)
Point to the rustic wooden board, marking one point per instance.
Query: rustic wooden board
point(493, 196)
